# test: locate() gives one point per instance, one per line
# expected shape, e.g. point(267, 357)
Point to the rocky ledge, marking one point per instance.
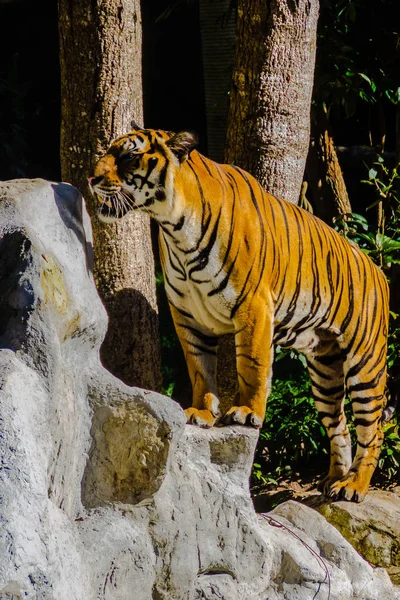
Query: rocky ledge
point(105, 493)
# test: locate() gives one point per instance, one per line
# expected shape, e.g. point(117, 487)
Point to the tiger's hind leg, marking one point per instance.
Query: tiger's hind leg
point(327, 381)
point(366, 384)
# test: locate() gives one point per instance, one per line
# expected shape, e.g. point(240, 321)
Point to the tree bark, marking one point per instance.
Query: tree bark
point(101, 88)
point(269, 116)
point(323, 172)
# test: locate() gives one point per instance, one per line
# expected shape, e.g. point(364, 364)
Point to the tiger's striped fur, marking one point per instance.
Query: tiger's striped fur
point(238, 260)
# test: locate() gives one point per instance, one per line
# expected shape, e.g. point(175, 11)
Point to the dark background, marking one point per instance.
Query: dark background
point(30, 81)
point(172, 78)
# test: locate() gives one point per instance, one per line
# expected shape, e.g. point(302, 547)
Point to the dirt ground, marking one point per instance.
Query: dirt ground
point(296, 487)
point(302, 487)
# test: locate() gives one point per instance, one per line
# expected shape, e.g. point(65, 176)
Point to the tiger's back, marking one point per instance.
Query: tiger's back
point(256, 243)
point(236, 259)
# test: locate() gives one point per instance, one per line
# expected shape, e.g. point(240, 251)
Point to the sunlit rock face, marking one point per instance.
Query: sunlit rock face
point(105, 493)
point(372, 527)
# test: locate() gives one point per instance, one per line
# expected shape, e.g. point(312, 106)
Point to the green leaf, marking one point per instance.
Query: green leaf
point(389, 428)
point(303, 360)
point(369, 237)
point(365, 77)
point(388, 243)
point(371, 83)
point(358, 218)
point(393, 95)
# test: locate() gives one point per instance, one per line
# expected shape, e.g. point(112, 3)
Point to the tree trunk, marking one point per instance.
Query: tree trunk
point(101, 88)
point(269, 116)
point(324, 175)
point(218, 27)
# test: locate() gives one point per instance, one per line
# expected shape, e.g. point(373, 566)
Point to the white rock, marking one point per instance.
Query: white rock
point(372, 527)
point(104, 492)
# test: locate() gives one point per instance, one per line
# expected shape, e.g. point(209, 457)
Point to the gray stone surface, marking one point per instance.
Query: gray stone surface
point(105, 493)
point(349, 574)
point(372, 527)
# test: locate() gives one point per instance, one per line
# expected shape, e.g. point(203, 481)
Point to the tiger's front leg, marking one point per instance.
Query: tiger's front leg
point(200, 350)
point(254, 355)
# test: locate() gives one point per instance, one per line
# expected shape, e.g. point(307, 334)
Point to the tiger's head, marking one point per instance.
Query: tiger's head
point(138, 172)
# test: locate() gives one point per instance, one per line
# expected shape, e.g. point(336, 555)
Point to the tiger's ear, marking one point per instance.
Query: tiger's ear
point(134, 125)
point(182, 144)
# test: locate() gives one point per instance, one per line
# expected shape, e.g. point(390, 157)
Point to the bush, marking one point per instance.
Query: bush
point(292, 435)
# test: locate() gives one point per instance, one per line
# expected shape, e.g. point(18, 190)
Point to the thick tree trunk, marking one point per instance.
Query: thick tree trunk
point(323, 172)
point(269, 117)
point(101, 87)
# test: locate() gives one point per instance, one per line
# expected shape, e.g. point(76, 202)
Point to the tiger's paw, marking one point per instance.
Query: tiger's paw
point(325, 484)
point(243, 415)
point(201, 418)
point(351, 487)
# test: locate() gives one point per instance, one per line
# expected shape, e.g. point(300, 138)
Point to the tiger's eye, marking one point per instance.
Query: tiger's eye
point(131, 158)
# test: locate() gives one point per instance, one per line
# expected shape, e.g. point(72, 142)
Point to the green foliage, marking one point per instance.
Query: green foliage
point(393, 341)
point(381, 241)
point(383, 248)
point(389, 460)
point(169, 346)
point(292, 435)
point(351, 32)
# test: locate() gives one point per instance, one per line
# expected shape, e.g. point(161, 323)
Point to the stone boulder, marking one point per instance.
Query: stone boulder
point(372, 527)
point(105, 493)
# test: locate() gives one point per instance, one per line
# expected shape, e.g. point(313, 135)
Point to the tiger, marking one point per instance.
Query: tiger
point(238, 260)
